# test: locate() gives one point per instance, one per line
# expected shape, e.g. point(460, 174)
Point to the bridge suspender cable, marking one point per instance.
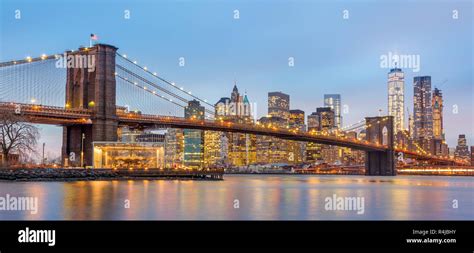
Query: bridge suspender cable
point(166, 81)
point(150, 91)
point(155, 86)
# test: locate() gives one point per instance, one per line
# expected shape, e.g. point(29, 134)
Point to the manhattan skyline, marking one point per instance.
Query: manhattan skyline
point(331, 55)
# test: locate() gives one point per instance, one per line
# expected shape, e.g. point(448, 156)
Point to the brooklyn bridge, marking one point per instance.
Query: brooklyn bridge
point(99, 100)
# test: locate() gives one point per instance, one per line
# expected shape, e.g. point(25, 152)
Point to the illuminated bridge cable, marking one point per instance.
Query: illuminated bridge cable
point(35, 81)
point(167, 82)
point(149, 91)
point(151, 83)
point(28, 60)
point(142, 79)
point(359, 124)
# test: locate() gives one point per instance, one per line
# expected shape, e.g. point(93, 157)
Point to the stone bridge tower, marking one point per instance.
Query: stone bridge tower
point(90, 86)
point(380, 130)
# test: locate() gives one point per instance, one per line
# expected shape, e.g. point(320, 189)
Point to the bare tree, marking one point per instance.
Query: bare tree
point(16, 136)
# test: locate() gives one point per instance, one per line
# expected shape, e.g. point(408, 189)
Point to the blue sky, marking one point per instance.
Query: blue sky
point(332, 54)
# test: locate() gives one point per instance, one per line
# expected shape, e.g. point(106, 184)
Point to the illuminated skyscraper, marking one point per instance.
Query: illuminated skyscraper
point(396, 98)
point(296, 149)
point(472, 155)
point(411, 125)
point(174, 151)
point(333, 101)
point(422, 110)
point(297, 119)
point(462, 150)
point(321, 120)
point(271, 149)
point(279, 105)
point(313, 150)
point(194, 139)
point(326, 118)
point(327, 122)
point(241, 148)
point(437, 105)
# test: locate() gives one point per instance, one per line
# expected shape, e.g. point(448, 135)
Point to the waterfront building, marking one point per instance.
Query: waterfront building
point(128, 135)
point(271, 149)
point(193, 139)
point(279, 105)
point(396, 98)
point(240, 148)
point(411, 125)
point(174, 152)
point(12, 159)
point(322, 120)
point(333, 101)
point(472, 155)
point(326, 119)
point(215, 149)
point(462, 150)
point(136, 155)
point(326, 123)
point(152, 136)
point(438, 147)
point(313, 150)
point(296, 149)
point(437, 105)
point(422, 110)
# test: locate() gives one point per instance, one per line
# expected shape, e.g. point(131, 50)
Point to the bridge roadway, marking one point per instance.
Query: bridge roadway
point(42, 114)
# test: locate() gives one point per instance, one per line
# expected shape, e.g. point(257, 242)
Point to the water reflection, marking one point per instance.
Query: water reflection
point(257, 196)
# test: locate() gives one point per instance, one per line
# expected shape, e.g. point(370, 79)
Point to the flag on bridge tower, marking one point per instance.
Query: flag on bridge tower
point(93, 37)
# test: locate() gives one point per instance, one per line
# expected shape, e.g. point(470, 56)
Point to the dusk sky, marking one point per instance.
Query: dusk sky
point(331, 54)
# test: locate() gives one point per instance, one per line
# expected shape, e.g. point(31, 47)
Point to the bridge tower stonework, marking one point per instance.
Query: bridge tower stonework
point(380, 130)
point(91, 88)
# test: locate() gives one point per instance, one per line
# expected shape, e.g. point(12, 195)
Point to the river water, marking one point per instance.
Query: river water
point(249, 197)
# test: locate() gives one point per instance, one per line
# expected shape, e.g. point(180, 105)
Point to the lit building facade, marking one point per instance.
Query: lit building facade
point(422, 110)
point(437, 105)
point(333, 101)
point(193, 139)
point(327, 122)
point(396, 98)
point(472, 155)
point(279, 105)
point(462, 150)
point(215, 149)
point(137, 155)
point(326, 119)
point(296, 150)
point(271, 149)
point(174, 152)
point(313, 150)
point(240, 148)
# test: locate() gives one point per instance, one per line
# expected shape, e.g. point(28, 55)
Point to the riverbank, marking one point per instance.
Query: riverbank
point(78, 174)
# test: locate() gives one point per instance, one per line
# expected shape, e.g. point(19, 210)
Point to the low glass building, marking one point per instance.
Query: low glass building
point(128, 155)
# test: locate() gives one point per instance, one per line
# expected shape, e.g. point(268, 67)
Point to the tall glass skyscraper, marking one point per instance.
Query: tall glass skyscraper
point(422, 110)
point(437, 105)
point(279, 105)
point(194, 139)
point(333, 101)
point(396, 98)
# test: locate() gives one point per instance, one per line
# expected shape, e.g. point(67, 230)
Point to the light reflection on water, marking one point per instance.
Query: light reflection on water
point(260, 197)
